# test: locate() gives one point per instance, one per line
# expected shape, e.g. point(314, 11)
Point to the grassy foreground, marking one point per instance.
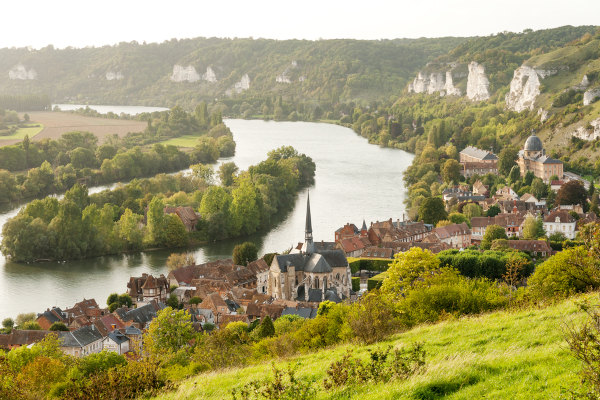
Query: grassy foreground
point(501, 355)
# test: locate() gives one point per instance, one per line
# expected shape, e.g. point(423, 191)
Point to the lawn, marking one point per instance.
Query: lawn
point(501, 355)
point(183, 141)
point(20, 133)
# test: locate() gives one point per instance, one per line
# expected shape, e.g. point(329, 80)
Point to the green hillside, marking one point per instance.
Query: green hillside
point(501, 355)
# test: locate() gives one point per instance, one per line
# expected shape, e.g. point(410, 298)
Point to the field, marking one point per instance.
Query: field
point(501, 355)
point(57, 123)
point(183, 141)
point(31, 131)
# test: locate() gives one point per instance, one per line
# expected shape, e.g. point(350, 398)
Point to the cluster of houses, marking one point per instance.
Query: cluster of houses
point(385, 239)
point(91, 328)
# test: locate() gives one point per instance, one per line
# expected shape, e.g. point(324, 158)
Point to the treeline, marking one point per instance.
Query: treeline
point(132, 217)
point(56, 165)
point(29, 102)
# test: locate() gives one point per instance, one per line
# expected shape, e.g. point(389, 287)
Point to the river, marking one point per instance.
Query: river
point(354, 180)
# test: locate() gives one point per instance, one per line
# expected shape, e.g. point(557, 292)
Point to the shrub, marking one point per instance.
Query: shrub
point(373, 318)
point(355, 284)
point(283, 386)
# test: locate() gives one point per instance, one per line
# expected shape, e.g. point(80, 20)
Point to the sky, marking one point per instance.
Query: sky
point(80, 23)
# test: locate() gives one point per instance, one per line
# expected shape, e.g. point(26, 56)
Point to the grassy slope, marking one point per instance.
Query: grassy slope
point(21, 132)
point(502, 355)
point(182, 141)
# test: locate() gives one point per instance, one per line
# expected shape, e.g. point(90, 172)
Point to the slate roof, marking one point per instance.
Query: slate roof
point(20, 337)
point(80, 337)
point(140, 315)
point(304, 312)
point(533, 143)
point(315, 295)
point(478, 153)
point(118, 337)
point(52, 315)
point(332, 295)
point(321, 262)
point(132, 330)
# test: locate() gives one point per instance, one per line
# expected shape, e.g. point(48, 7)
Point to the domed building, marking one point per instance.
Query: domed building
point(533, 158)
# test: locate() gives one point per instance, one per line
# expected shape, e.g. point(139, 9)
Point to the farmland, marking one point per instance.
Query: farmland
point(56, 123)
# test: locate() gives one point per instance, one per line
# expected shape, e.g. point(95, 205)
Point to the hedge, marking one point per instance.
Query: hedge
point(376, 281)
point(355, 284)
point(370, 264)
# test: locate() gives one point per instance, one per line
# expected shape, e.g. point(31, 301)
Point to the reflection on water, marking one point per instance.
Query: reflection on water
point(354, 180)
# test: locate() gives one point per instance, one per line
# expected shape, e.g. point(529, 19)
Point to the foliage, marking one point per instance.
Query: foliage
point(265, 329)
point(373, 317)
point(169, 334)
point(355, 284)
point(59, 326)
point(284, 386)
point(245, 253)
point(406, 269)
point(533, 228)
point(572, 192)
point(492, 232)
point(432, 210)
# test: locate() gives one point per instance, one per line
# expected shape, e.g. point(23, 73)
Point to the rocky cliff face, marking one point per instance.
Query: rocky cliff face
point(477, 83)
point(243, 84)
point(114, 76)
point(449, 87)
point(20, 72)
point(524, 89)
point(434, 82)
point(184, 74)
point(590, 96)
point(209, 75)
point(591, 132)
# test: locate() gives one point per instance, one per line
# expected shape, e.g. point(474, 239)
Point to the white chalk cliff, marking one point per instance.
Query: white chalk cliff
point(434, 82)
point(114, 76)
point(589, 134)
point(184, 74)
point(590, 96)
point(243, 84)
point(524, 89)
point(20, 72)
point(477, 83)
point(209, 75)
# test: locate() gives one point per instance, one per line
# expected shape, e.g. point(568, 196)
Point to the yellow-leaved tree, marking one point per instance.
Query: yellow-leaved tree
point(407, 268)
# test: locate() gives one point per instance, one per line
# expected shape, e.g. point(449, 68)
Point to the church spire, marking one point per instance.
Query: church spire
point(308, 236)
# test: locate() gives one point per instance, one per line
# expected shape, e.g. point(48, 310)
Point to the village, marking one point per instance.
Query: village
point(220, 292)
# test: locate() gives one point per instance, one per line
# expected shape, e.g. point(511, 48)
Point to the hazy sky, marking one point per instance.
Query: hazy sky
point(82, 23)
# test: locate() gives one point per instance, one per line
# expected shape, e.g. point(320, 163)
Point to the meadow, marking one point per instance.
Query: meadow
point(502, 355)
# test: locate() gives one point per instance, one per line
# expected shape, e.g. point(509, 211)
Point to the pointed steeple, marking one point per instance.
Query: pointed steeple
point(364, 226)
point(309, 246)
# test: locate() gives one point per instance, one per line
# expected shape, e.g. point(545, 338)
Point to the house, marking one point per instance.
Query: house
point(187, 215)
point(50, 316)
point(457, 236)
point(304, 312)
point(81, 342)
point(226, 319)
point(560, 221)
point(475, 161)
point(184, 293)
point(139, 317)
point(216, 304)
point(506, 193)
point(398, 231)
point(116, 342)
point(538, 248)
point(353, 246)
point(21, 337)
point(480, 189)
point(260, 268)
point(146, 288)
point(377, 252)
point(309, 271)
point(88, 309)
point(512, 224)
point(135, 338)
point(460, 195)
point(350, 230)
point(533, 158)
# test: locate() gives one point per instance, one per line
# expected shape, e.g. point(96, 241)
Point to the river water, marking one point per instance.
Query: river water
point(354, 180)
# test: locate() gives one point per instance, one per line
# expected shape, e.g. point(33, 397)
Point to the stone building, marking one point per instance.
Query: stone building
point(533, 158)
point(309, 274)
point(475, 161)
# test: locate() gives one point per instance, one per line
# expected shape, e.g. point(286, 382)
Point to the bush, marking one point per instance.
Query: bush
point(355, 283)
point(365, 264)
point(373, 318)
point(376, 281)
point(284, 385)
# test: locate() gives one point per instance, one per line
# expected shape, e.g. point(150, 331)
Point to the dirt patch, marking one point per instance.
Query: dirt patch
point(57, 123)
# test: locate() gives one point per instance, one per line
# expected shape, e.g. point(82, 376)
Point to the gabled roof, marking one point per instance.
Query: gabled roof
point(303, 312)
point(132, 330)
point(21, 337)
point(563, 216)
point(80, 337)
point(118, 337)
point(319, 262)
point(478, 153)
point(448, 231)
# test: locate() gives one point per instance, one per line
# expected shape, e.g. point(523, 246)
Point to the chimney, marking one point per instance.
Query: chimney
point(113, 326)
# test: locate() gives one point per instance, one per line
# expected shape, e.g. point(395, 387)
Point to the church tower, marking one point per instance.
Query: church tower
point(309, 245)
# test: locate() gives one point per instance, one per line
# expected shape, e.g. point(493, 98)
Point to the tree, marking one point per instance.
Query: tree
point(178, 260)
point(8, 324)
point(451, 171)
point(515, 174)
point(406, 269)
point(157, 222)
point(533, 228)
point(506, 160)
point(59, 326)
point(173, 301)
point(203, 172)
point(244, 207)
point(538, 188)
point(23, 318)
point(492, 232)
point(170, 332)
point(227, 173)
point(265, 329)
point(572, 192)
point(492, 211)
point(432, 210)
point(175, 234)
point(31, 326)
point(471, 210)
point(245, 253)
point(458, 218)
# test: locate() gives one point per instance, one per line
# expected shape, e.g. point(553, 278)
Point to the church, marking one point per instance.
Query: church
point(533, 158)
point(310, 273)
